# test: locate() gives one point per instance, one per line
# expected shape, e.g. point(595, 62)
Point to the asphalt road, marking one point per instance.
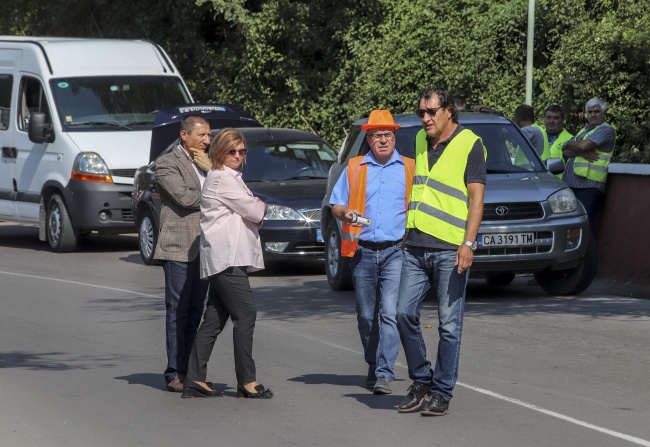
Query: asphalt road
point(82, 352)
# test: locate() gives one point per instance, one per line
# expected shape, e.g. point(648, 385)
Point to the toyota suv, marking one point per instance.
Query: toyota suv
point(532, 222)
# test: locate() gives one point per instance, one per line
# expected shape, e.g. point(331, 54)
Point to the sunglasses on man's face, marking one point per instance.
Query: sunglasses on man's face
point(242, 152)
point(431, 112)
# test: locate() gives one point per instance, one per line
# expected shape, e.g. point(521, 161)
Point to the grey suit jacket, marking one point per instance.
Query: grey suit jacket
point(180, 196)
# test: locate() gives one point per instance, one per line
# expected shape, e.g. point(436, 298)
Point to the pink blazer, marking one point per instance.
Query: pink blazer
point(230, 218)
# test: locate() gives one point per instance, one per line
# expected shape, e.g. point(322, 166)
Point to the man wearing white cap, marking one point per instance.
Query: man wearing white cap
point(375, 186)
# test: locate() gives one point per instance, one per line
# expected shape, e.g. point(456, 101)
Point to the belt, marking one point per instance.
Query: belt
point(379, 245)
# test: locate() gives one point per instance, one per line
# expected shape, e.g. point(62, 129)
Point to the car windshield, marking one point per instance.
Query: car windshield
point(287, 161)
point(508, 151)
point(115, 103)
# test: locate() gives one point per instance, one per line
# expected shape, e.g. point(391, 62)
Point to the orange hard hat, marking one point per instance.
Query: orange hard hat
point(380, 119)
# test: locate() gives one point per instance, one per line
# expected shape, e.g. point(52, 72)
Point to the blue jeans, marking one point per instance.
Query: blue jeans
point(376, 276)
point(185, 294)
point(422, 268)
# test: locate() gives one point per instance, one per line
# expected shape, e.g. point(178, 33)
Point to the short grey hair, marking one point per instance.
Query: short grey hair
point(596, 102)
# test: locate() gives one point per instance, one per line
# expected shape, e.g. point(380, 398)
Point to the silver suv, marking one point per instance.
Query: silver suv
point(532, 222)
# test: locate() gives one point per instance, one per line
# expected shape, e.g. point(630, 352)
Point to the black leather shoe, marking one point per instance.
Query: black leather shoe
point(261, 393)
point(416, 397)
point(371, 379)
point(193, 389)
point(437, 405)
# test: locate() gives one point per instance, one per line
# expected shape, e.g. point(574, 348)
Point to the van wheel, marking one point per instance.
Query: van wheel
point(148, 237)
point(337, 267)
point(499, 279)
point(572, 281)
point(61, 236)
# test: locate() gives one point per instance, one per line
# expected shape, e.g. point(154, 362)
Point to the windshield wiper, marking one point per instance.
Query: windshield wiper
point(139, 123)
point(303, 177)
point(99, 124)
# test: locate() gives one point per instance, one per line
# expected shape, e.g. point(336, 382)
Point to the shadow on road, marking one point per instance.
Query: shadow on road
point(26, 237)
point(147, 379)
point(52, 361)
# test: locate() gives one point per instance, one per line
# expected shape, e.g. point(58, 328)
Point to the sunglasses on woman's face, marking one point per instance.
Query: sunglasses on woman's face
point(242, 152)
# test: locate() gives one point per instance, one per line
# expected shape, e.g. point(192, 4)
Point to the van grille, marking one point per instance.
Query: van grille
point(130, 173)
point(513, 211)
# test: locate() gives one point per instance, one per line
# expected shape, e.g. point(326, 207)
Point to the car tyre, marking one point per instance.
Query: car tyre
point(571, 281)
point(337, 267)
point(61, 235)
point(147, 237)
point(499, 279)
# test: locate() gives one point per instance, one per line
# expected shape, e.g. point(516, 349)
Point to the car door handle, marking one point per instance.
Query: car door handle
point(9, 152)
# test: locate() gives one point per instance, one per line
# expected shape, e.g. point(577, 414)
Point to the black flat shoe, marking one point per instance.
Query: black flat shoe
point(261, 392)
point(193, 389)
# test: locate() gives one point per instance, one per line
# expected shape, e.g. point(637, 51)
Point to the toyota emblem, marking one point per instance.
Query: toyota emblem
point(501, 210)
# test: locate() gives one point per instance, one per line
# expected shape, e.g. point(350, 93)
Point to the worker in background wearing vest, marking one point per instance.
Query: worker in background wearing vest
point(587, 156)
point(445, 211)
point(375, 186)
point(555, 135)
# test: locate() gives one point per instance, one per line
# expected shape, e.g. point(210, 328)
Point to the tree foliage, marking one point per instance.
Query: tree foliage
point(318, 65)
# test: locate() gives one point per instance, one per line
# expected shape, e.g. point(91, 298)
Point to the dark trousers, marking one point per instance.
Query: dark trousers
point(230, 297)
point(590, 199)
point(185, 294)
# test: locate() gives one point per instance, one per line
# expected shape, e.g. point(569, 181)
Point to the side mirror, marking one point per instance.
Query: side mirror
point(555, 165)
point(40, 131)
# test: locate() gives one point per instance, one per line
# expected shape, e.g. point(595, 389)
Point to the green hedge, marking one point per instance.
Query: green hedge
point(318, 65)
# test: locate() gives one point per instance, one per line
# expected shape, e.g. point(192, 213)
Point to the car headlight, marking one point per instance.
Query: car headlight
point(90, 167)
point(277, 212)
point(563, 201)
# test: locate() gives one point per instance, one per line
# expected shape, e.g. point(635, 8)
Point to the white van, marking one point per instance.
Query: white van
point(75, 124)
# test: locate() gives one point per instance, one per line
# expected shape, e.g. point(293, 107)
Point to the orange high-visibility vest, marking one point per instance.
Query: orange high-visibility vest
point(357, 175)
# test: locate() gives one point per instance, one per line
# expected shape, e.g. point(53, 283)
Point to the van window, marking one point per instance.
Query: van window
point(114, 103)
point(31, 98)
point(6, 84)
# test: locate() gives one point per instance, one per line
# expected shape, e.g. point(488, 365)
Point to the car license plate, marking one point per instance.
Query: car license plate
point(319, 235)
point(508, 239)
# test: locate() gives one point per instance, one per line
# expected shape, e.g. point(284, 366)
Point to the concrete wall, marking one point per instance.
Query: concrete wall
point(624, 225)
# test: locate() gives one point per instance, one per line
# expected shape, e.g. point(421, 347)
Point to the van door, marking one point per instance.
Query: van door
point(33, 160)
point(8, 156)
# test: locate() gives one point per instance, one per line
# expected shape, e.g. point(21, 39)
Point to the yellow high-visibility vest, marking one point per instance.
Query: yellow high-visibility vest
point(439, 203)
point(596, 170)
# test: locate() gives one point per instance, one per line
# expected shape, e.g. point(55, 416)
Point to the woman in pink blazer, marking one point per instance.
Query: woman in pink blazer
point(230, 248)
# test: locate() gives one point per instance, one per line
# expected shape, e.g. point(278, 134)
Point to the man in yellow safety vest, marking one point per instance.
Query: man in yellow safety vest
point(587, 156)
point(445, 212)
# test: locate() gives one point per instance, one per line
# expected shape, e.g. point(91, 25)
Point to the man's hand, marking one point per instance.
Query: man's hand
point(580, 148)
point(464, 258)
point(201, 159)
point(349, 215)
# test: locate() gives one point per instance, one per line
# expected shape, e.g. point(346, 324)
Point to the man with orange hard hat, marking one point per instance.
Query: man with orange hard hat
point(375, 186)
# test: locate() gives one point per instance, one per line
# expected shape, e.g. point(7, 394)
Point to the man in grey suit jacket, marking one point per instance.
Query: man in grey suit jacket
point(180, 175)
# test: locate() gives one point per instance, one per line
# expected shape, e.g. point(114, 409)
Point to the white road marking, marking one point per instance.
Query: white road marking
point(554, 414)
point(80, 284)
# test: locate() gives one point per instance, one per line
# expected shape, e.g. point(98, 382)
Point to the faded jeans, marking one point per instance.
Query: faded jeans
point(376, 276)
point(422, 269)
